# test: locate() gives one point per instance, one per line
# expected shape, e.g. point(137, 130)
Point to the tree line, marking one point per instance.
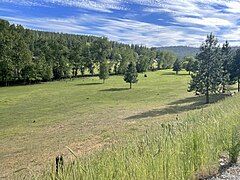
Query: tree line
point(28, 56)
point(213, 69)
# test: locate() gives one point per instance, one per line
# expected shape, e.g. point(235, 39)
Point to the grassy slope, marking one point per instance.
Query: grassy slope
point(81, 114)
point(84, 115)
point(180, 149)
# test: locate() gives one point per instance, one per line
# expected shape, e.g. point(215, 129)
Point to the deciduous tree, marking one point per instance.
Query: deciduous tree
point(104, 70)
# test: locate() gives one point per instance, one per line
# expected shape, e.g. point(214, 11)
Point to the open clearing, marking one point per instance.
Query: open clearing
point(37, 122)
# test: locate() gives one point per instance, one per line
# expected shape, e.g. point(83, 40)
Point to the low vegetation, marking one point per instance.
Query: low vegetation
point(183, 149)
point(37, 122)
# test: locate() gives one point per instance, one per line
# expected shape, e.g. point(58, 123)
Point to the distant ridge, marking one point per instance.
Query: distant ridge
point(180, 51)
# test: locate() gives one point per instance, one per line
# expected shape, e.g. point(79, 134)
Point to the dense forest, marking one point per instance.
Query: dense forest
point(28, 56)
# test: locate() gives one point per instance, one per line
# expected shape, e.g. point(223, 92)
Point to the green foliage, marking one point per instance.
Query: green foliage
point(227, 58)
point(165, 59)
point(208, 77)
point(177, 66)
point(131, 74)
point(189, 64)
point(145, 60)
point(104, 70)
point(22, 52)
point(234, 146)
point(235, 68)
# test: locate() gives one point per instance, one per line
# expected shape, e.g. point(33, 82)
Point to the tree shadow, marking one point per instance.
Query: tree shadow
point(115, 89)
point(174, 74)
point(179, 106)
point(88, 84)
point(169, 73)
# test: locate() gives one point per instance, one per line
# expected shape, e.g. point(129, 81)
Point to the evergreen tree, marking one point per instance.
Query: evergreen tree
point(190, 62)
point(235, 68)
point(227, 57)
point(177, 66)
point(208, 76)
point(104, 70)
point(131, 75)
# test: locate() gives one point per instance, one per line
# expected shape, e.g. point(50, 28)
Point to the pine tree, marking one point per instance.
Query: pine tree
point(208, 76)
point(235, 68)
point(189, 66)
point(177, 66)
point(227, 57)
point(131, 75)
point(104, 70)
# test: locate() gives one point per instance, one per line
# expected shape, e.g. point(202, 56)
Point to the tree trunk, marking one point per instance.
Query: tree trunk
point(130, 85)
point(76, 72)
point(189, 72)
point(207, 96)
point(238, 84)
point(103, 81)
point(224, 88)
point(177, 72)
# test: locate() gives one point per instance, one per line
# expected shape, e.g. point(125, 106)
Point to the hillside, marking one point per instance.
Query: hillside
point(37, 122)
point(180, 51)
point(188, 148)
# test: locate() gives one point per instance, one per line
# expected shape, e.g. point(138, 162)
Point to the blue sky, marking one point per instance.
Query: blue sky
point(147, 22)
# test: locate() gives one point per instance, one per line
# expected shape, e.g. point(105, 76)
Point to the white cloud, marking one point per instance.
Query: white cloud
point(123, 30)
point(191, 20)
point(210, 22)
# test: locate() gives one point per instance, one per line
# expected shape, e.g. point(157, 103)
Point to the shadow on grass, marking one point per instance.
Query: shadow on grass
point(115, 89)
point(88, 84)
point(174, 74)
point(179, 106)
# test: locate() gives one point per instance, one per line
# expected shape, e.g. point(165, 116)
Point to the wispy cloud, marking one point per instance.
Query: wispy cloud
point(148, 22)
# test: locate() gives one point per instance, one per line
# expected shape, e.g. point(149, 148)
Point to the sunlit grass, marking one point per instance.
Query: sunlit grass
point(176, 150)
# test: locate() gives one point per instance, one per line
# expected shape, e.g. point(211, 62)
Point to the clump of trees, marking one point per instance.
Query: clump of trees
point(214, 68)
point(28, 56)
point(165, 59)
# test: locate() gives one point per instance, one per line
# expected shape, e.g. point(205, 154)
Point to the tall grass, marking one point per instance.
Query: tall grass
point(176, 150)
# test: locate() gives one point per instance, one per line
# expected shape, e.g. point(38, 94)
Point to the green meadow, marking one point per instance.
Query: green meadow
point(102, 124)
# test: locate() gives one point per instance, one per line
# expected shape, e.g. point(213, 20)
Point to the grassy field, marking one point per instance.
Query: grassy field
point(37, 122)
point(189, 148)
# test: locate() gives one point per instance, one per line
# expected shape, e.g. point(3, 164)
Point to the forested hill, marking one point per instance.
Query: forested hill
point(183, 51)
point(180, 51)
point(28, 56)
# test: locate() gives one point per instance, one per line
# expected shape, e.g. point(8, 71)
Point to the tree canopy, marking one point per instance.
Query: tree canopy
point(28, 56)
point(208, 76)
point(131, 74)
